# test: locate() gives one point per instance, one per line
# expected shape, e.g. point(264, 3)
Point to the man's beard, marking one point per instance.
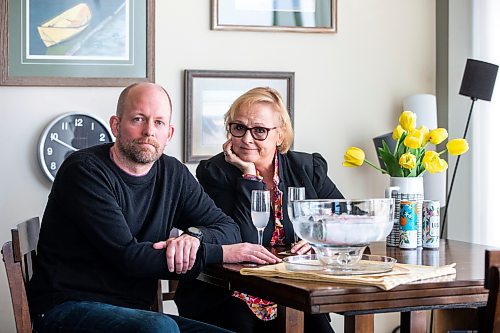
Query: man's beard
point(134, 152)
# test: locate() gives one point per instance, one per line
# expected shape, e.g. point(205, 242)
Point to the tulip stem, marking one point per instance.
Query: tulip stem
point(442, 152)
point(421, 174)
point(397, 146)
point(376, 167)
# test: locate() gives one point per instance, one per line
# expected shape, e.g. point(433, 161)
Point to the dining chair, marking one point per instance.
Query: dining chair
point(18, 256)
point(490, 322)
point(162, 296)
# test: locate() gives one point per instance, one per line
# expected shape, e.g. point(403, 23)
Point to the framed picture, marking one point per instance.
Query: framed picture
point(275, 15)
point(76, 43)
point(207, 97)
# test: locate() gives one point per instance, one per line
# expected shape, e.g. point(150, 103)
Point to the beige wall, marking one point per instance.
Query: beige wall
point(349, 88)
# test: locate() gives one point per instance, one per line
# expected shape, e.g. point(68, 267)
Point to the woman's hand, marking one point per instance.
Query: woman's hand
point(232, 158)
point(248, 252)
point(301, 247)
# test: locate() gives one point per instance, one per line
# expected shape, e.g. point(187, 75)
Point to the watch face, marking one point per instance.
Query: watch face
point(67, 134)
point(195, 232)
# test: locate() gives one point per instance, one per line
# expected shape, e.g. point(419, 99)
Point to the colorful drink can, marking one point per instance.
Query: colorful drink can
point(408, 225)
point(430, 224)
point(393, 238)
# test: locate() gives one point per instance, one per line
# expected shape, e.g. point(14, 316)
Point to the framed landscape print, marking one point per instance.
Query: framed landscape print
point(207, 97)
point(76, 43)
point(275, 15)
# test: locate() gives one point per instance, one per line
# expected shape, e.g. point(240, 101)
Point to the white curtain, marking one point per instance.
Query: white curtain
point(486, 126)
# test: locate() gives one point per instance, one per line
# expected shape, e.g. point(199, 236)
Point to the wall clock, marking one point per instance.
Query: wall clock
point(66, 134)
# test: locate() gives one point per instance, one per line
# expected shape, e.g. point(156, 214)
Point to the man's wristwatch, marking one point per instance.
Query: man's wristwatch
point(194, 232)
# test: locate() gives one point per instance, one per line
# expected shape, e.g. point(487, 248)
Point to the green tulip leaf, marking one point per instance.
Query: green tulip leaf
point(391, 163)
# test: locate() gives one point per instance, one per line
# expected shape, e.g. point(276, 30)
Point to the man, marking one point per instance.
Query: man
point(101, 248)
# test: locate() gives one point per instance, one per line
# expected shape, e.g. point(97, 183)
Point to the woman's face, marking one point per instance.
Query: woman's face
point(246, 147)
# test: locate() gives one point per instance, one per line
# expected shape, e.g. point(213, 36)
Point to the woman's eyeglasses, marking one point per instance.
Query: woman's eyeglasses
point(258, 133)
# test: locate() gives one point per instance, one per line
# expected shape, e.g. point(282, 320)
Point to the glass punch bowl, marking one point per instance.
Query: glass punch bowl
point(339, 230)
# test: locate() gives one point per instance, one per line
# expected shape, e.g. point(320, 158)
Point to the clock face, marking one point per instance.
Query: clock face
point(67, 134)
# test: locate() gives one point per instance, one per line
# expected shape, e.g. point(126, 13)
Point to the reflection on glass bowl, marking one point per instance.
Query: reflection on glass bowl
point(339, 230)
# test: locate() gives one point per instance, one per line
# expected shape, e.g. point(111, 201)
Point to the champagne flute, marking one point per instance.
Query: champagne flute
point(295, 193)
point(260, 210)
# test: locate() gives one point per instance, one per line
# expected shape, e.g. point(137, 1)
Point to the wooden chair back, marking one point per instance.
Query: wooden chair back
point(162, 296)
point(18, 256)
point(491, 315)
point(172, 285)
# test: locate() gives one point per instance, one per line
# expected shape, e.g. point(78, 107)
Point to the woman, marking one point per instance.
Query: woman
point(256, 156)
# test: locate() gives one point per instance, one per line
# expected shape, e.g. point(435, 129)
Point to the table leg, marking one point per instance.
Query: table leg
point(290, 320)
point(359, 324)
point(414, 322)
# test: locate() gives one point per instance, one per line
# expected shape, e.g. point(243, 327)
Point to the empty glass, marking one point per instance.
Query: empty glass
point(260, 211)
point(295, 193)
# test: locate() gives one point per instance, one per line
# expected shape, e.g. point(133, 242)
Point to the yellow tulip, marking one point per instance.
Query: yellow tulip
point(398, 131)
point(457, 146)
point(430, 155)
point(408, 161)
point(415, 139)
point(433, 163)
point(438, 135)
point(408, 120)
point(354, 157)
point(425, 134)
point(438, 165)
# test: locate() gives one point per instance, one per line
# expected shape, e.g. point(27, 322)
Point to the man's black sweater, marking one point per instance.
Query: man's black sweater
point(99, 225)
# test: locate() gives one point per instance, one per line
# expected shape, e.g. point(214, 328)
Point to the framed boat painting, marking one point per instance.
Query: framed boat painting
point(76, 43)
point(207, 97)
point(275, 15)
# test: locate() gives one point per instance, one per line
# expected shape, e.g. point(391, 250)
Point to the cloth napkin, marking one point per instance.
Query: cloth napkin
point(400, 274)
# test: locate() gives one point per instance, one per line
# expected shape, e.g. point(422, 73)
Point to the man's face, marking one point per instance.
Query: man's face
point(143, 130)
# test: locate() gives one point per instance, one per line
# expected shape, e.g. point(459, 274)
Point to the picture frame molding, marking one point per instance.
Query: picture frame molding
point(216, 26)
point(8, 80)
point(189, 77)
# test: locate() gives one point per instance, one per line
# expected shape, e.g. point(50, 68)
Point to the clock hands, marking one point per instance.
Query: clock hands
point(64, 144)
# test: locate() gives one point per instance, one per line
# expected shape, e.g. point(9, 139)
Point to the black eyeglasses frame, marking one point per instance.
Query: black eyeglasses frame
point(268, 129)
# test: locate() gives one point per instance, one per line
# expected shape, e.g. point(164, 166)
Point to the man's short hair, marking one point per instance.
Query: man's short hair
point(120, 106)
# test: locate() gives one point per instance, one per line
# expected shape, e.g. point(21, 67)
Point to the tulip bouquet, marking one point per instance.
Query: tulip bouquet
point(410, 157)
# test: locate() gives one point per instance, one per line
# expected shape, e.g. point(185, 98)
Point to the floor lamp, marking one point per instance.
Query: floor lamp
point(477, 83)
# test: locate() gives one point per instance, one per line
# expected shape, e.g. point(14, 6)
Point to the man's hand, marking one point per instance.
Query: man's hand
point(181, 252)
point(248, 252)
point(301, 247)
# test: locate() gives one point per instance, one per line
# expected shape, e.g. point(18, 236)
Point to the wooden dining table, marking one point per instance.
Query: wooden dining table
point(359, 303)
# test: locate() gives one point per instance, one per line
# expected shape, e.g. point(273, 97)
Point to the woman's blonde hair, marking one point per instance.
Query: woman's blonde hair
point(269, 96)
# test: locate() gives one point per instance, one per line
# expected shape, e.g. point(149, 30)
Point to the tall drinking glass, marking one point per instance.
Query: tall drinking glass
point(295, 193)
point(260, 210)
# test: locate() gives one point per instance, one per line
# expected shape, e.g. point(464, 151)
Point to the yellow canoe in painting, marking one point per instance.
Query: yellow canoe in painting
point(65, 25)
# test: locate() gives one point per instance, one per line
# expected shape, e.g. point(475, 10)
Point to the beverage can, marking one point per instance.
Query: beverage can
point(430, 224)
point(408, 225)
point(393, 238)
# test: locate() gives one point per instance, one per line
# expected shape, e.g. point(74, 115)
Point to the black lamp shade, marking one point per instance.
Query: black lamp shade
point(377, 141)
point(479, 80)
